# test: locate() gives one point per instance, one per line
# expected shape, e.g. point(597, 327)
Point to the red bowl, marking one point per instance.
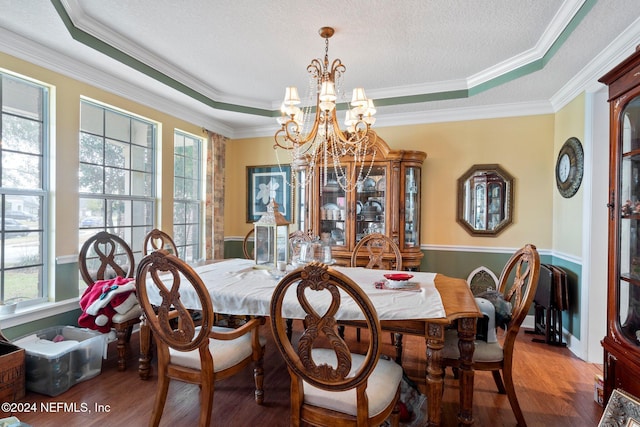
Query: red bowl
point(398, 276)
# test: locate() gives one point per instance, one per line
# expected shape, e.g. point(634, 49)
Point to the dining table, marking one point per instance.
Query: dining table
point(430, 305)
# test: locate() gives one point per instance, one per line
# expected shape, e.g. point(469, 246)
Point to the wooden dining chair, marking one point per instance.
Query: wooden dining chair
point(375, 246)
point(330, 385)
point(158, 239)
point(106, 256)
point(296, 240)
point(186, 352)
point(247, 251)
point(154, 240)
point(517, 283)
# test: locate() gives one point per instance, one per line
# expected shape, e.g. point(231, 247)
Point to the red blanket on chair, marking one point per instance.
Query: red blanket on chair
point(103, 300)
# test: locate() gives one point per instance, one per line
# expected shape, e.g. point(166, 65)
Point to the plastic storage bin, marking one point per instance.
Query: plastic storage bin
point(61, 356)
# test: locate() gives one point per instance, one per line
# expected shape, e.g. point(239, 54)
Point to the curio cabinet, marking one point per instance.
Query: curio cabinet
point(622, 343)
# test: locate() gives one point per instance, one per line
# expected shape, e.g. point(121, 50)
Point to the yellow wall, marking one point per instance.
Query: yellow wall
point(523, 146)
point(64, 141)
point(239, 155)
point(567, 213)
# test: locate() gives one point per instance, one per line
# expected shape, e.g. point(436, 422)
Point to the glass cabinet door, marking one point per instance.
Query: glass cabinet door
point(495, 207)
point(333, 210)
point(629, 228)
point(480, 217)
point(411, 207)
point(385, 200)
point(371, 202)
point(301, 197)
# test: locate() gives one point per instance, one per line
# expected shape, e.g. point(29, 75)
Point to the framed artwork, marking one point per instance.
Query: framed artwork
point(265, 183)
point(623, 409)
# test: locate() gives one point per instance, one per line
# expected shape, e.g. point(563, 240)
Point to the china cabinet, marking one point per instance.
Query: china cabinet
point(387, 201)
point(487, 201)
point(622, 343)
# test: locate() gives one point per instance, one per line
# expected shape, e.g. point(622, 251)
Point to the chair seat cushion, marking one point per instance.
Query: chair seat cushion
point(226, 353)
point(483, 351)
point(133, 313)
point(381, 387)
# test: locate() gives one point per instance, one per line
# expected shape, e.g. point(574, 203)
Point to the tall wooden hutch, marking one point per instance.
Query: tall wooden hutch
point(622, 343)
point(388, 202)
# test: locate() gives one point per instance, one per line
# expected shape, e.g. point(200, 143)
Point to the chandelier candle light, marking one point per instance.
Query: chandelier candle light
point(322, 142)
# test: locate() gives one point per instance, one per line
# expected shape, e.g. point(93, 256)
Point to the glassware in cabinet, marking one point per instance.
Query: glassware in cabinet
point(377, 205)
point(371, 202)
point(411, 206)
point(629, 230)
point(333, 209)
point(302, 212)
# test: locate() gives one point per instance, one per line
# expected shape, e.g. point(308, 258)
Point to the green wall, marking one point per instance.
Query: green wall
point(68, 318)
point(67, 278)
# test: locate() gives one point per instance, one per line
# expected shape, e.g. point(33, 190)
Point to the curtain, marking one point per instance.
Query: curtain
point(214, 207)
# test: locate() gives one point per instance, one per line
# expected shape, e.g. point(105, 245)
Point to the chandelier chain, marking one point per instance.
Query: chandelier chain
point(314, 138)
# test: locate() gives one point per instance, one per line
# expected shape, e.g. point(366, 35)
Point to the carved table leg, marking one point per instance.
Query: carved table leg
point(466, 337)
point(258, 363)
point(397, 342)
point(435, 382)
point(144, 366)
point(258, 376)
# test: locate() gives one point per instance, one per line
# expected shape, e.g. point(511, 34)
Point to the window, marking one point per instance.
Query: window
point(187, 195)
point(117, 174)
point(24, 134)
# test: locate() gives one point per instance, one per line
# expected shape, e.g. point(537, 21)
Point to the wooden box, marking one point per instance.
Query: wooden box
point(12, 375)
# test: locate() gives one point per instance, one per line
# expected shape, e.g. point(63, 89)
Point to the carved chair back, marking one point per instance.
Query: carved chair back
point(186, 350)
point(376, 246)
point(158, 239)
point(321, 358)
point(248, 252)
point(105, 256)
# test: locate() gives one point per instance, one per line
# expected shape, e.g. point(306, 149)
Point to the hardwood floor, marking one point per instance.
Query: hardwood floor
point(554, 389)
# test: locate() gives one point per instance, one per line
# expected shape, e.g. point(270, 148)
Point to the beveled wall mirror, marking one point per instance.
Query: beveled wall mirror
point(485, 200)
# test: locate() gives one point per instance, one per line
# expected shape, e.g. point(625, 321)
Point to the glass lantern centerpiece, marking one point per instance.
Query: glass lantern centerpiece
point(271, 237)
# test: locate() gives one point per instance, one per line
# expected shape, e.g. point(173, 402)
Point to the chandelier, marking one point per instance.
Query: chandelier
point(311, 136)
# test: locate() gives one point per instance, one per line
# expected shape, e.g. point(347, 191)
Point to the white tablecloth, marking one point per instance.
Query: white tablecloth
point(236, 287)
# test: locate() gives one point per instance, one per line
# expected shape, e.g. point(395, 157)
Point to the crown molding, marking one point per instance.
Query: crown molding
point(30, 51)
point(27, 50)
point(559, 25)
point(434, 116)
point(87, 24)
point(467, 113)
point(587, 79)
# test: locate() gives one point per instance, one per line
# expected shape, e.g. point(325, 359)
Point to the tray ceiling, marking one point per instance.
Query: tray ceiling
point(224, 64)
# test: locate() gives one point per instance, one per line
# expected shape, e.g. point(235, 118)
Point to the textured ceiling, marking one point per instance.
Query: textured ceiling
point(224, 64)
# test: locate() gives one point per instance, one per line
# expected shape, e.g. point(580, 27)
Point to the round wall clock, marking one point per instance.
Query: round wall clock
point(570, 167)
